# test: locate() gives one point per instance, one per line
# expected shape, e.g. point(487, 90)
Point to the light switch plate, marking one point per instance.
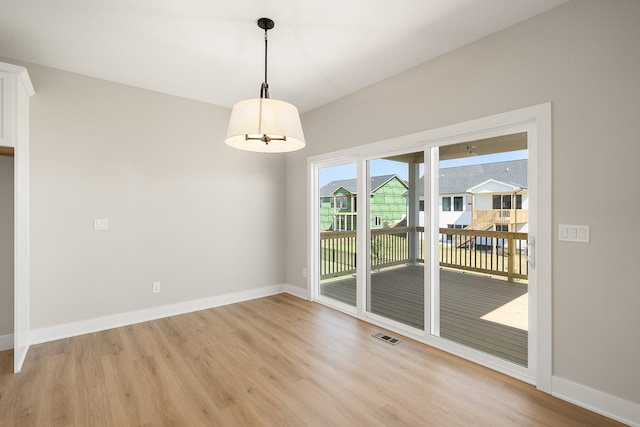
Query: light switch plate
point(101, 224)
point(573, 233)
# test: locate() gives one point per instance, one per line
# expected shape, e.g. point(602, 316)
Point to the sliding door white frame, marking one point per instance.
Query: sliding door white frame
point(536, 121)
point(313, 231)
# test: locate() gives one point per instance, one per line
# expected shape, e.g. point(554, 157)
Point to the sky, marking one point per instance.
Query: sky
point(384, 167)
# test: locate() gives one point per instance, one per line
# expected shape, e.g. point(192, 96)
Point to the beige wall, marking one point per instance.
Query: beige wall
point(583, 57)
point(183, 208)
point(6, 245)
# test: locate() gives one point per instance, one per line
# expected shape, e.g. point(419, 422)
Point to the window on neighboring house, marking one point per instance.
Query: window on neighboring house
point(340, 223)
point(502, 227)
point(504, 201)
point(446, 204)
point(355, 203)
point(344, 202)
point(377, 220)
point(497, 201)
point(421, 205)
point(340, 202)
point(457, 203)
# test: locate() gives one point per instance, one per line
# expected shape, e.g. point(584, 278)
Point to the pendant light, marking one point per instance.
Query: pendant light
point(265, 125)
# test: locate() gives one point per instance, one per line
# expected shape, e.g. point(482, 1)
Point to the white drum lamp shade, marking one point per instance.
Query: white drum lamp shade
point(265, 125)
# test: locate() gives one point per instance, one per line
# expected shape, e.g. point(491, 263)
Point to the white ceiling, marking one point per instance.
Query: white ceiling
point(213, 50)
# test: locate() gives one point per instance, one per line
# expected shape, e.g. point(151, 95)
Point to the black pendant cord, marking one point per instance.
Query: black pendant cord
point(264, 90)
point(266, 24)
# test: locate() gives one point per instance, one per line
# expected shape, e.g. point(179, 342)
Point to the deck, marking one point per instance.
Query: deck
point(487, 314)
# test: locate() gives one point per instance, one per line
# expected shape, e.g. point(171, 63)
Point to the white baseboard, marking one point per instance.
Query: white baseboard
point(602, 403)
point(297, 292)
point(67, 330)
point(6, 342)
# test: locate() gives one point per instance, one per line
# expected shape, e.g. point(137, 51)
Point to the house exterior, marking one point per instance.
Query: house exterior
point(338, 203)
point(490, 196)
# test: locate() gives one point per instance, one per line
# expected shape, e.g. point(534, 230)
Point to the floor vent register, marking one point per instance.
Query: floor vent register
point(386, 338)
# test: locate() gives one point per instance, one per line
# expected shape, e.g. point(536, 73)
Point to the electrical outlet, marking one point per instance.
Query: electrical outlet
point(155, 287)
point(101, 224)
point(304, 272)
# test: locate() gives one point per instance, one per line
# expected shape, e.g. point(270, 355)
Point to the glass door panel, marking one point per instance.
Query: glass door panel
point(338, 223)
point(395, 289)
point(480, 210)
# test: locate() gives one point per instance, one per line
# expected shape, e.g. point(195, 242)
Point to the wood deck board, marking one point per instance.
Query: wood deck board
point(488, 328)
point(464, 299)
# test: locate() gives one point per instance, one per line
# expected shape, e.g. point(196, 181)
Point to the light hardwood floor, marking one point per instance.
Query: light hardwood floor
point(267, 362)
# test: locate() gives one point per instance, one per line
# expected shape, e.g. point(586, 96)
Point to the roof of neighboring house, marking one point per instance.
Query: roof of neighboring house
point(351, 184)
point(455, 180)
point(493, 185)
point(459, 179)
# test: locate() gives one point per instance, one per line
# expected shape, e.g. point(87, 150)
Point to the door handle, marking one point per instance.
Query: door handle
point(530, 252)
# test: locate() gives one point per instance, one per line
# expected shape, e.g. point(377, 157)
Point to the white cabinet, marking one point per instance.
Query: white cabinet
point(15, 90)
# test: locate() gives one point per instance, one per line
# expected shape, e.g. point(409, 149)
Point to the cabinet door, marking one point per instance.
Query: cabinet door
point(6, 135)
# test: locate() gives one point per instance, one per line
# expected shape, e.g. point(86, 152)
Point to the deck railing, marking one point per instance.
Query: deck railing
point(501, 216)
point(337, 253)
point(492, 252)
point(500, 253)
point(390, 246)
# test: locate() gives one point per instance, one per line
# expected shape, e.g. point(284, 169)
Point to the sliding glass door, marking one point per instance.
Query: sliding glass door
point(395, 282)
point(474, 200)
point(434, 236)
point(480, 209)
point(337, 231)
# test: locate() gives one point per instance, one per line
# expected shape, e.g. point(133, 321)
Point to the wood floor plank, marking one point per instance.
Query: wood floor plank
point(273, 361)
